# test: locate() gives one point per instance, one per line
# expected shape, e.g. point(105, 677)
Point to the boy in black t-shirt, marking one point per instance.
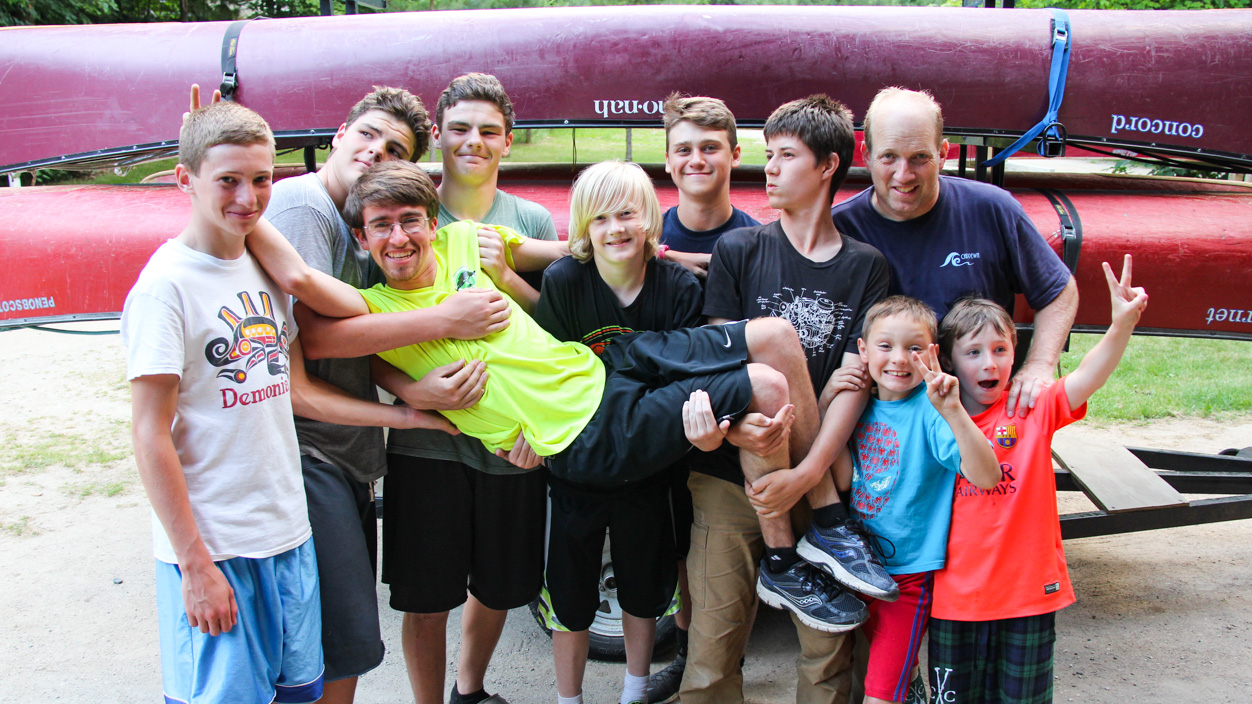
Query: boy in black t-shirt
point(610, 288)
point(800, 269)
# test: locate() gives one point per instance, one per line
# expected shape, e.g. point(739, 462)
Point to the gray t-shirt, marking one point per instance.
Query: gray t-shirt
point(532, 220)
point(302, 210)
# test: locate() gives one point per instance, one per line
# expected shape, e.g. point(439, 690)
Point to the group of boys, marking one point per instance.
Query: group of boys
point(444, 325)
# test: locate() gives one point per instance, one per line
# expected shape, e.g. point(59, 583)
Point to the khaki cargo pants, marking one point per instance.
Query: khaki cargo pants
point(726, 548)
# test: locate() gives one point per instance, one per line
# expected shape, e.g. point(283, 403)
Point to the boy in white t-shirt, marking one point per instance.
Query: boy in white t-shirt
point(215, 373)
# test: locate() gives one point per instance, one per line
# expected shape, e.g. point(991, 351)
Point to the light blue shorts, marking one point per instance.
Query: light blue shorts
point(273, 653)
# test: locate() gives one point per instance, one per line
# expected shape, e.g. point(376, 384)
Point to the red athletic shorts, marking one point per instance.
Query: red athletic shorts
point(895, 631)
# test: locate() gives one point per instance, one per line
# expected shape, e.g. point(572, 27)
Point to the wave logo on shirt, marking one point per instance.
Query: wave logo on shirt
point(465, 278)
point(255, 338)
point(958, 259)
point(1006, 436)
point(877, 467)
point(600, 338)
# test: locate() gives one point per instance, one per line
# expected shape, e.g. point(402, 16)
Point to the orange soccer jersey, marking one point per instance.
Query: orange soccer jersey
point(1005, 557)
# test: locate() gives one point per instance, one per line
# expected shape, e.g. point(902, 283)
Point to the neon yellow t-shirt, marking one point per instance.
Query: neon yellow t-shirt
point(537, 385)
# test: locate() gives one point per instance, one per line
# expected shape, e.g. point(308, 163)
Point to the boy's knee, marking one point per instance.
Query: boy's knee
point(769, 389)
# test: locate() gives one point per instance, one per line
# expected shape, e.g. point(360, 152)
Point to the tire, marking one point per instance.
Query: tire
point(607, 642)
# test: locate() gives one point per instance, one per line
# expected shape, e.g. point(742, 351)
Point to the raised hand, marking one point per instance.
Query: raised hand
point(941, 388)
point(491, 252)
point(195, 99)
point(1128, 302)
point(700, 425)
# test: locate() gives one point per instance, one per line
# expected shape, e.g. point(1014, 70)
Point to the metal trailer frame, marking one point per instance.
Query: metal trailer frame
point(1187, 473)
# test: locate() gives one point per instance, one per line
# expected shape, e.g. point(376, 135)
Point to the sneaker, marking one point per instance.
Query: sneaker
point(844, 553)
point(815, 598)
point(663, 684)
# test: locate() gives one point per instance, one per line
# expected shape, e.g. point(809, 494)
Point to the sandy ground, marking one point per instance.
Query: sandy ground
point(1163, 616)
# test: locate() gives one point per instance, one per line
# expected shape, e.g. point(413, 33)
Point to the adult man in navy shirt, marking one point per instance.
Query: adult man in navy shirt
point(946, 238)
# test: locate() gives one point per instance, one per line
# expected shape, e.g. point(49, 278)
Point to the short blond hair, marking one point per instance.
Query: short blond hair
point(920, 98)
point(611, 187)
point(709, 113)
point(901, 305)
point(220, 123)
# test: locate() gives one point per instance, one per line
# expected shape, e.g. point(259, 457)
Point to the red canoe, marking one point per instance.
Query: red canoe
point(1177, 83)
point(82, 247)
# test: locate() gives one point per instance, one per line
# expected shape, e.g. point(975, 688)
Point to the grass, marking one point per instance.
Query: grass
point(108, 489)
point(549, 145)
point(19, 527)
point(1163, 377)
point(55, 449)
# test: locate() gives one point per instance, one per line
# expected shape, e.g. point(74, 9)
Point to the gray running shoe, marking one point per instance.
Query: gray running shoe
point(844, 553)
point(816, 599)
point(663, 684)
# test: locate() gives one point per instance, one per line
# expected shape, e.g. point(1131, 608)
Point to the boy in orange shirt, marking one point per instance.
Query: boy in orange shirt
point(993, 626)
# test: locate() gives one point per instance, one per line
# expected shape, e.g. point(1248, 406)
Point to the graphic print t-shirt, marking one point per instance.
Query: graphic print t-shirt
point(756, 272)
point(905, 462)
point(225, 329)
point(1005, 557)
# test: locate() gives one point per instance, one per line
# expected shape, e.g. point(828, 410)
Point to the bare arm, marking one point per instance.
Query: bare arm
point(1052, 324)
point(778, 491)
point(448, 388)
point(535, 255)
point(978, 460)
point(207, 596)
point(1099, 363)
point(695, 262)
point(316, 399)
point(494, 260)
point(465, 315)
point(321, 292)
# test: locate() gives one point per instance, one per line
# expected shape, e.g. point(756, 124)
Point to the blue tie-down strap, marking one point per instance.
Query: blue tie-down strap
point(1050, 131)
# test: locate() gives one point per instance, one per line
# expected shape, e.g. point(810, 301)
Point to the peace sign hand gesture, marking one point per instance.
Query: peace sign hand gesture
point(1128, 302)
point(942, 389)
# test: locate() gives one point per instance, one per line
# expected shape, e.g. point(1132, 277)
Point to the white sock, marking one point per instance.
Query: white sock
point(576, 699)
point(633, 688)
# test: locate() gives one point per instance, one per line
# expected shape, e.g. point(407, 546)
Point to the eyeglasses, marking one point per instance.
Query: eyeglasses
point(411, 226)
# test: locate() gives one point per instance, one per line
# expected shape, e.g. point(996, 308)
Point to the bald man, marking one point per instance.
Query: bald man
point(946, 238)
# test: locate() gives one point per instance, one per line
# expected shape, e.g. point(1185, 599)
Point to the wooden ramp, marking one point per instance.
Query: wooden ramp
point(1112, 477)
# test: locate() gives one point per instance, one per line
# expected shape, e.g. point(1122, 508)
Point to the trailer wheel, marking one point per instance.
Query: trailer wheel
point(607, 642)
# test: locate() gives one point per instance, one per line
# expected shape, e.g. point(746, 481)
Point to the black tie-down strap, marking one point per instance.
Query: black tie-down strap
point(1071, 227)
point(230, 49)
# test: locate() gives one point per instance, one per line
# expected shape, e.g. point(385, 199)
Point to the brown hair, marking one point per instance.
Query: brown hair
point(709, 113)
point(968, 316)
point(402, 105)
point(901, 305)
point(611, 187)
point(921, 98)
point(476, 86)
point(391, 183)
point(824, 125)
point(220, 123)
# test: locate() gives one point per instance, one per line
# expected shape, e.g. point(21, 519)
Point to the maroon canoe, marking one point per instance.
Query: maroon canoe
point(1176, 83)
point(81, 247)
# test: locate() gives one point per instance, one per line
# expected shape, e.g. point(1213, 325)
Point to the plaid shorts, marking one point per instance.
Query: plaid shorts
point(992, 662)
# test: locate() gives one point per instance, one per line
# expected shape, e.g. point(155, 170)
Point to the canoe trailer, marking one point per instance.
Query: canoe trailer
point(1165, 87)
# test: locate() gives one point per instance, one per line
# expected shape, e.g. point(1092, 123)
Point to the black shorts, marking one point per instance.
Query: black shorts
point(637, 431)
point(345, 539)
point(641, 539)
point(447, 526)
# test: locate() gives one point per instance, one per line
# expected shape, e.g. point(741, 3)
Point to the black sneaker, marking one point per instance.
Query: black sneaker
point(844, 553)
point(818, 601)
point(663, 684)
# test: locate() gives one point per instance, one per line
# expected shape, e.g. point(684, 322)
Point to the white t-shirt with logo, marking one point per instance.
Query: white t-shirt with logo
point(225, 329)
